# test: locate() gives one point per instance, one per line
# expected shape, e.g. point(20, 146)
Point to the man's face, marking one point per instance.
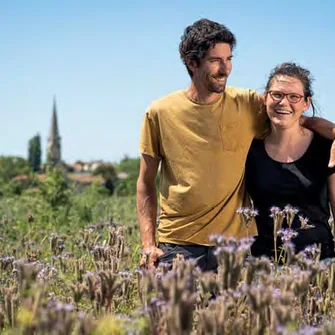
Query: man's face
point(212, 72)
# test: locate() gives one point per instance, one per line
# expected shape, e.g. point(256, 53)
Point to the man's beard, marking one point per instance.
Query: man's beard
point(215, 87)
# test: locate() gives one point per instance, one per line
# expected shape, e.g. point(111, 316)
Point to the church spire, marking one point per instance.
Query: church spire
point(54, 145)
point(54, 132)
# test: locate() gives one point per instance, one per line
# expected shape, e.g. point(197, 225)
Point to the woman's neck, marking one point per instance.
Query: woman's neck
point(287, 145)
point(287, 136)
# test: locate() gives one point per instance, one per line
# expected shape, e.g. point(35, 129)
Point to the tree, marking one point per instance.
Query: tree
point(108, 173)
point(54, 189)
point(131, 166)
point(35, 153)
point(12, 166)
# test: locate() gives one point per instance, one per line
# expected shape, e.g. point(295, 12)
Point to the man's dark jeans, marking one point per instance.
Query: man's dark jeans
point(204, 255)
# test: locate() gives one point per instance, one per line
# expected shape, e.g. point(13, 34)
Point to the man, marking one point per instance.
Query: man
point(201, 137)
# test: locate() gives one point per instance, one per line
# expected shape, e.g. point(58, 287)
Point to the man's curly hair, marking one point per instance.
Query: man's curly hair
point(199, 37)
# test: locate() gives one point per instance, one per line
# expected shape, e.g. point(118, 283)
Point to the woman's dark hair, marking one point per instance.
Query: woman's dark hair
point(200, 36)
point(298, 72)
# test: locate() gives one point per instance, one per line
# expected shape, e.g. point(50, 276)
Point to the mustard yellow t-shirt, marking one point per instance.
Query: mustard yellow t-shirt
point(203, 149)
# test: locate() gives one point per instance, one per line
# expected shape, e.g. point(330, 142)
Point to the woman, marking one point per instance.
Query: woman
point(290, 166)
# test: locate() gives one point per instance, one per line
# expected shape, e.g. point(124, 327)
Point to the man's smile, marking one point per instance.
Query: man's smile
point(220, 78)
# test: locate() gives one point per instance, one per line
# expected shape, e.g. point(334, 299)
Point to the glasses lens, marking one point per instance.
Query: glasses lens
point(276, 95)
point(291, 97)
point(294, 98)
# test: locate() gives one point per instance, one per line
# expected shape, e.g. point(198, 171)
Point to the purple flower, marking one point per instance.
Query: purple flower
point(81, 316)
point(216, 238)
point(68, 307)
point(89, 274)
point(125, 274)
point(240, 210)
point(59, 306)
point(247, 241)
point(276, 293)
point(274, 210)
point(138, 271)
point(308, 330)
point(247, 214)
point(311, 251)
point(290, 209)
point(243, 248)
point(287, 235)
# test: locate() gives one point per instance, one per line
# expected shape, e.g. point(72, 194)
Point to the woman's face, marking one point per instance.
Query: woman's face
point(285, 101)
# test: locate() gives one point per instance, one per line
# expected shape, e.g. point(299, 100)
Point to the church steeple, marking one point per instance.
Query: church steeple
point(54, 140)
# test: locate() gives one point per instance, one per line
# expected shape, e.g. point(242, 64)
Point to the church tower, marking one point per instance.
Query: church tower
point(54, 145)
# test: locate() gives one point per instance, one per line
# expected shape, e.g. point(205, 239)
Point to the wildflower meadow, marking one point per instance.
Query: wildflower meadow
point(69, 265)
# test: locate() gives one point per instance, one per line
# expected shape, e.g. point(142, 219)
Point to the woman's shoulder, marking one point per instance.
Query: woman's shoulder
point(319, 150)
point(256, 149)
point(321, 143)
point(257, 144)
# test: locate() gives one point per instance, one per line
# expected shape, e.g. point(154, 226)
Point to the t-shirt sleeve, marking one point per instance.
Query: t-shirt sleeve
point(261, 122)
point(150, 138)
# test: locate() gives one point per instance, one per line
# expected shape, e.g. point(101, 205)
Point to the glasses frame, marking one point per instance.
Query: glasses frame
point(285, 95)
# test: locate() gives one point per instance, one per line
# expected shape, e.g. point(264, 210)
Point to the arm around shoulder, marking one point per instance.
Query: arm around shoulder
point(322, 126)
point(260, 120)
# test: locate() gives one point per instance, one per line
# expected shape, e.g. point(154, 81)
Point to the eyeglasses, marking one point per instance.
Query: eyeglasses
point(293, 98)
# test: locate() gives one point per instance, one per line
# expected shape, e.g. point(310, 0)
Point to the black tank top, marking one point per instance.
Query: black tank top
point(301, 184)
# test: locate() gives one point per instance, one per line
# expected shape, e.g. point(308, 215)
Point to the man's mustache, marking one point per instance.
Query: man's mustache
point(221, 74)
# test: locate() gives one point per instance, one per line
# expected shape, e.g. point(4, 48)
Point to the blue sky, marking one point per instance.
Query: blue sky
point(105, 61)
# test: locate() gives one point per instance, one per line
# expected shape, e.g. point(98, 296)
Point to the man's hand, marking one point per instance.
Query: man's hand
point(150, 256)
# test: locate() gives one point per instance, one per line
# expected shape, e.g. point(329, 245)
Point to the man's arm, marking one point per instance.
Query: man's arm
point(147, 209)
point(323, 127)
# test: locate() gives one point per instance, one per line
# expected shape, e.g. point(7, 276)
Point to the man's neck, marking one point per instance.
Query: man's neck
point(200, 96)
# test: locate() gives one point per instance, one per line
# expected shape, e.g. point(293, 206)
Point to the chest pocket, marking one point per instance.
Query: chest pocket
point(231, 136)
